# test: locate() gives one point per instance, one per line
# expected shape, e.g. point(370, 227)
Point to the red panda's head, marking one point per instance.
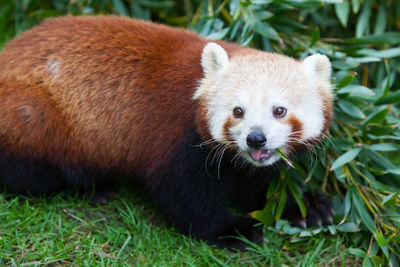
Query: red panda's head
point(257, 102)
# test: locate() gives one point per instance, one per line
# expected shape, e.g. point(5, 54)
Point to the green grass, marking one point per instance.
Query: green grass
point(65, 230)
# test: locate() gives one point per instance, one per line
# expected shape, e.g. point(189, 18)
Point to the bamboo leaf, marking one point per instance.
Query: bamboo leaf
point(390, 197)
point(380, 239)
point(380, 38)
point(356, 5)
point(264, 217)
point(394, 171)
point(381, 20)
point(384, 147)
point(315, 37)
point(345, 81)
point(381, 161)
point(351, 109)
point(387, 53)
point(265, 30)
point(361, 210)
point(273, 188)
point(234, 8)
point(363, 22)
point(347, 204)
point(342, 12)
point(261, 2)
point(262, 15)
point(348, 227)
point(346, 158)
point(297, 194)
point(281, 204)
point(218, 35)
point(377, 116)
point(120, 7)
point(390, 98)
point(357, 252)
point(356, 90)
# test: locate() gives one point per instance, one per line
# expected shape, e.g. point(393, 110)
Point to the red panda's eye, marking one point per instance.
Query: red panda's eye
point(279, 112)
point(238, 112)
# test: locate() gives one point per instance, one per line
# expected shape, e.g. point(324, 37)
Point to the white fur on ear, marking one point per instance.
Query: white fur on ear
point(318, 66)
point(214, 59)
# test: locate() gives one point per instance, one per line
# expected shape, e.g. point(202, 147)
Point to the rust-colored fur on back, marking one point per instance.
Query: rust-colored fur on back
point(103, 75)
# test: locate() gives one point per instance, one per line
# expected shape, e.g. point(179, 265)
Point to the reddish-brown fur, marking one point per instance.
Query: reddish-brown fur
point(103, 112)
point(201, 122)
point(230, 122)
point(29, 118)
point(328, 115)
point(297, 127)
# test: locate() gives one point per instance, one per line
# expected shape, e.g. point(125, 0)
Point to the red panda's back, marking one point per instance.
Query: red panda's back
point(123, 87)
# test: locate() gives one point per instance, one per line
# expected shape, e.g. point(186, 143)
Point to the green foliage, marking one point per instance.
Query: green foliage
point(358, 164)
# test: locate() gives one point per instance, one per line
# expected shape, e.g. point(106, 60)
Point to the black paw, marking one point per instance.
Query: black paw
point(228, 237)
point(99, 197)
point(319, 211)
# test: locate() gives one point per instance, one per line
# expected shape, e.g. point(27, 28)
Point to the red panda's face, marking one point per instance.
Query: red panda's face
point(258, 102)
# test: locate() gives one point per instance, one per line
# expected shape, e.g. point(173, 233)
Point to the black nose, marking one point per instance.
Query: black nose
point(256, 139)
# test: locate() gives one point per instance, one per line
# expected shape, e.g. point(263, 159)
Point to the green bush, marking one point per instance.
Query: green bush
point(359, 163)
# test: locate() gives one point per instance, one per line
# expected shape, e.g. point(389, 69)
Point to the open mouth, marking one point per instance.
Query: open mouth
point(261, 155)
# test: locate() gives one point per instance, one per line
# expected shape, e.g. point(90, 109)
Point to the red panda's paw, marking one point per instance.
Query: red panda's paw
point(99, 197)
point(319, 211)
point(245, 228)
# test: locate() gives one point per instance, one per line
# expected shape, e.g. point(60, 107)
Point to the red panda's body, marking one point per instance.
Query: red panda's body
point(113, 112)
point(85, 98)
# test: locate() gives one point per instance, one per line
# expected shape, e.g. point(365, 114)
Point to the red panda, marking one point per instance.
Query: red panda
point(87, 99)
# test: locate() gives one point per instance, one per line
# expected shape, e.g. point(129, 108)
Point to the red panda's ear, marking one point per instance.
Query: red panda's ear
point(318, 66)
point(214, 59)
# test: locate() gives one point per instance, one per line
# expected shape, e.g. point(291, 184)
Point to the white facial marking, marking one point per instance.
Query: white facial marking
point(258, 82)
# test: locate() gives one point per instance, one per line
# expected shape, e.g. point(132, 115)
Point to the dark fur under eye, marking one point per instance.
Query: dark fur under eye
point(279, 112)
point(238, 112)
